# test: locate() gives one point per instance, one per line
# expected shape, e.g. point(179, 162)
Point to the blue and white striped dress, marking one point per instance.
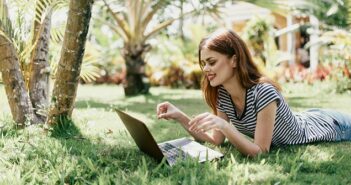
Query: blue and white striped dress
point(289, 128)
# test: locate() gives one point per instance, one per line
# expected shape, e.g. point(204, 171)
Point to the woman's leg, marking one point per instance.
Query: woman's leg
point(343, 123)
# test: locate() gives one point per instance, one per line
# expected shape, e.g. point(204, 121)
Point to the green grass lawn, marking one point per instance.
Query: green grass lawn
point(96, 149)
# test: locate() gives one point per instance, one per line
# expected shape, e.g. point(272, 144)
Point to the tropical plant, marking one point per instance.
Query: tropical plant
point(136, 22)
point(259, 36)
point(24, 62)
point(26, 18)
point(256, 33)
point(32, 55)
point(329, 12)
point(335, 51)
point(335, 19)
point(104, 47)
point(174, 62)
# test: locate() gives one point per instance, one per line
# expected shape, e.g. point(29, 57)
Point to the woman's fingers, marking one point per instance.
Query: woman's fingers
point(198, 118)
point(206, 126)
point(158, 108)
point(164, 115)
point(194, 123)
point(162, 108)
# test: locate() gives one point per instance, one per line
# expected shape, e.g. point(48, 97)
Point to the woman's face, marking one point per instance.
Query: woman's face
point(217, 67)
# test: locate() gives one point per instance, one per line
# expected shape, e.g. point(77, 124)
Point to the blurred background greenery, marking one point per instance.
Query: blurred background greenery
point(306, 41)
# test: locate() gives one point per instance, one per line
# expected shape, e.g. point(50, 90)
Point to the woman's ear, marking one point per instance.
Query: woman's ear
point(233, 61)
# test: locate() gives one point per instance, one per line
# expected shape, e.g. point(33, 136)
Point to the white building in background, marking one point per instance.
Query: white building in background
point(287, 24)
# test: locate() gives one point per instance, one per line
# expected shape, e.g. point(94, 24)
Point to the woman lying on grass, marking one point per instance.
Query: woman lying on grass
point(245, 102)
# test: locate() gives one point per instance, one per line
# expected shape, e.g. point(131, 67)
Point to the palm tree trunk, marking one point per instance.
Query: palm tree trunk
point(18, 98)
point(181, 21)
point(39, 73)
point(67, 76)
point(135, 64)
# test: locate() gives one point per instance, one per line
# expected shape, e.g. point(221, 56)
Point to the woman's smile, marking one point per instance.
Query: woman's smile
point(210, 77)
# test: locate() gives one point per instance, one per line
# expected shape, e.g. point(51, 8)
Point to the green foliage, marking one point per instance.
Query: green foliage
point(96, 148)
point(5, 22)
point(19, 27)
point(343, 84)
point(257, 31)
point(258, 34)
point(329, 12)
point(336, 51)
point(25, 12)
point(64, 128)
point(89, 71)
point(173, 62)
point(104, 45)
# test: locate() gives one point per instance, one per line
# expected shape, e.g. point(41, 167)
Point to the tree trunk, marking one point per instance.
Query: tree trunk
point(18, 98)
point(39, 73)
point(67, 76)
point(135, 64)
point(36, 25)
point(181, 21)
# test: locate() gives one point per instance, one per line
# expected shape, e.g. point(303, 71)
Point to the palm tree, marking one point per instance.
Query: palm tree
point(133, 20)
point(20, 104)
point(132, 24)
point(27, 106)
point(38, 83)
point(21, 107)
point(68, 71)
point(28, 58)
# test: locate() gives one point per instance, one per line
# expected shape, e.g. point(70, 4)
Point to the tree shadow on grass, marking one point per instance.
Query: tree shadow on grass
point(123, 163)
point(119, 164)
point(129, 159)
point(95, 159)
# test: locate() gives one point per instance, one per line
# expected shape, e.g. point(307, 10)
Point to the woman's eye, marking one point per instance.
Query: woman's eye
point(212, 63)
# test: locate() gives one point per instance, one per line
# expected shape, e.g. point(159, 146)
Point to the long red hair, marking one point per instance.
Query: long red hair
point(229, 43)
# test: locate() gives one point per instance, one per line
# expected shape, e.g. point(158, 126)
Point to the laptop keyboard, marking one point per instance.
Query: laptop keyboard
point(171, 152)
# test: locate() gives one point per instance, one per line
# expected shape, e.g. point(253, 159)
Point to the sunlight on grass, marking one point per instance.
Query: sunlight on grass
point(99, 150)
point(142, 117)
point(315, 154)
point(141, 99)
point(255, 173)
point(4, 106)
point(10, 175)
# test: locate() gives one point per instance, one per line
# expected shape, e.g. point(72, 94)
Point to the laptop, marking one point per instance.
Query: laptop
point(173, 150)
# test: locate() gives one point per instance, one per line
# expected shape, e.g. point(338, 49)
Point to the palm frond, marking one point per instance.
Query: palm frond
point(25, 52)
point(119, 19)
point(55, 5)
point(5, 22)
point(89, 72)
point(57, 33)
point(41, 9)
point(269, 4)
point(57, 30)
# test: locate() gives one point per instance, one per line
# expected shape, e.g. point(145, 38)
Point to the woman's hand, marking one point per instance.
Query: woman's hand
point(207, 121)
point(168, 111)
